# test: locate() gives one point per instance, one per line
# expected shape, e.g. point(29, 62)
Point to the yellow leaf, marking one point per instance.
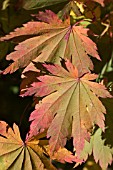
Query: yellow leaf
point(14, 153)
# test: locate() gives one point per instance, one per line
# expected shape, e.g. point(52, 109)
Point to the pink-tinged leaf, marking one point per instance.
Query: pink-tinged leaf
point(88, 44)
point(63, 155)
point(50, 42)
point(67, 107)
point(31, 28)
point(100, 2)
point(35, 28)
point(50, 17)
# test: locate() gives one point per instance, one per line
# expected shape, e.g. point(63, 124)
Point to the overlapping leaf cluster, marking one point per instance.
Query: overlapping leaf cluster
point(58, 52)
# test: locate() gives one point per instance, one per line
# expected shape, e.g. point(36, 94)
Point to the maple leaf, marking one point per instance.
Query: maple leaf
point(33, 28)
point(63, 155)
point(70, 105)
point(55, 41)
point(14, 153)
point(102, 153)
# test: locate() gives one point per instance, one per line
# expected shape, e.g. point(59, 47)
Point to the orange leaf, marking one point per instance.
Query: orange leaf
point(14, 153)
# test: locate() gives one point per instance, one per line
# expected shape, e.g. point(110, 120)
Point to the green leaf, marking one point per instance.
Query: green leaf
point(102, 153)
point(33, 4)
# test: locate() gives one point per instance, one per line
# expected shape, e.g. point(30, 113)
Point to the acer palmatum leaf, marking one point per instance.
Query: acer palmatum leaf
point(63, 155)
point(50, 18)
point(14, 153)
point(70, 105)
point(28, 155)
point(52, 43)
point(102, 153)
point(34, 28)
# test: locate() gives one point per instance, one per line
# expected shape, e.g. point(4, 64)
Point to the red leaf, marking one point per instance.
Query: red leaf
point(63, 155)
point(50, 18)
point(68, 106)
point(53, 41)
